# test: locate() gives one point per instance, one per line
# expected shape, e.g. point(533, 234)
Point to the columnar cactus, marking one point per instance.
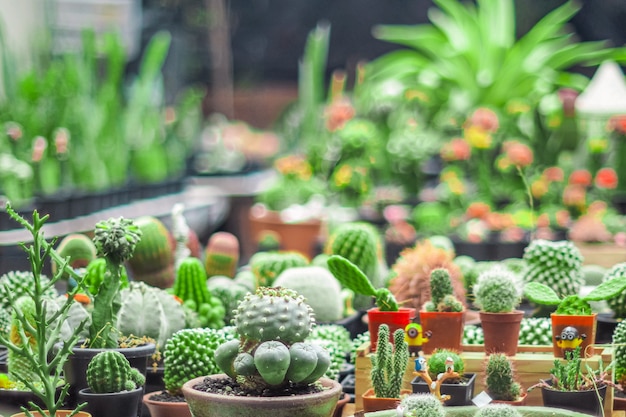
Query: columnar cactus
point(109, 371)
point(442, 298)
point(422, 405)
point(19, 283)
point(221, 255)
point(557, 265)
point(497, 410)
point(271, 352)
point(153, 259)
point(619, 340)
point(499, 378)
point(389, 363)
point(267, 266)
point(497, 290)
point(618, 303)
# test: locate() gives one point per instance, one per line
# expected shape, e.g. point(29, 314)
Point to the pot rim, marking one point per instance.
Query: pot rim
point(147, 400)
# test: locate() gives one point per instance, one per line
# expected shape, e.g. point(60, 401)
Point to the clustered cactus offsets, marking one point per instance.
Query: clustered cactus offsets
point(441, 292)
point(389, 363)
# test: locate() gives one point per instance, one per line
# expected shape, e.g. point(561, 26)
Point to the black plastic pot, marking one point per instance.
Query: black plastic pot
point(580, 401)
point(118, 404)
point(605, 326)
point(460, 394)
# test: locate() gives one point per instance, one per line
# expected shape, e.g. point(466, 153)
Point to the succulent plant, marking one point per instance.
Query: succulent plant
point(357, 342)
point(389, 363)
point(617, 303)
point(79, 248)
point(19, 366)
point(337, 355)
point(422, 405)
point(535, 331)
point(271, 351)
point(190, 353)
point(442, 299)
point(94, 275)
point(499, 378)
point(410, 282)
point(554, 264)
point(18, 283)
point(267, 266)
point(497, 290)
point(229, 292)
point(473, 335)
point(497, 410)
point(221, 255)
point(153, 259)
point(319, 287)
point(619, 340)
point(334, 332)
point(109, 371)
point(437, 362)
point(594, 274)
point(5, 322)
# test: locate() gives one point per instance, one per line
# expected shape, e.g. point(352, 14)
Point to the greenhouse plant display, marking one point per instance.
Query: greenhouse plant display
point(270, 356)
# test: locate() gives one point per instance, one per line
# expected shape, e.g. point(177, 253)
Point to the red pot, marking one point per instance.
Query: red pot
point(394, 319)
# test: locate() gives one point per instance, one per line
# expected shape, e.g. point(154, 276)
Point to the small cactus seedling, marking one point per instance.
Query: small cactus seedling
point(442, 298)
point(109, 371)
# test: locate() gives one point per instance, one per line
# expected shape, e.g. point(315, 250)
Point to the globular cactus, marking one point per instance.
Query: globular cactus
point(437, 362)
point(619, 340)
point(334, 332)
point(442, 298)
point(319, 287)
point(498, 290)
point(19, 283)
point(5, 322)
point(267, 266)
point(535, 331)
point(19, 367)
point(95, 272)
point(557, 265)
point(497, 410)
point(153, 259)
point(229, 292)
point(149, 311)
point(618, 303)
point(422, 405)
point(271, 352)
point(337, 355)
point(190, 353)
point(109, 371)
point(473, 335)
point(79, 248)
point(221, 256)
point(500, 379)
point(389, 363)
point(191, 287)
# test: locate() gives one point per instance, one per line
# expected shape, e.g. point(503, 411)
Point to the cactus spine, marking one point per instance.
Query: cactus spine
point(110, 371)
point(153, 260)
point(222, 255)
point(499, 378)
point(389, 363)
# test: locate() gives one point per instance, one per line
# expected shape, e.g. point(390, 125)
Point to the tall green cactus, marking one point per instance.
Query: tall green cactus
point(389, 363)
point(109, 371)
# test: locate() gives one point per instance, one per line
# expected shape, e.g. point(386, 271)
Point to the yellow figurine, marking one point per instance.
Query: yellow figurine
point(415, 337)
point(569, 339)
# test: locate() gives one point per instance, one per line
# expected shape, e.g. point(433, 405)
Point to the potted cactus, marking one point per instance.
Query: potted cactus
point(497, 292)
point(573, 322)
point(421, 405)
point(114, 387)
point(443, 315)
point(269, 370)
point(619, 340)
point(500, 381)
point(386, 311)
point(389, 364)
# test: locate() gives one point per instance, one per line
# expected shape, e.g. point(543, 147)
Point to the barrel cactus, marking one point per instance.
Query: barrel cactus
point(19, 283)
point(497, 290)
point(422, 405)
point(555, 264)
point(109, 371)
point(153, 259)
point(267, 266)
point(79, 248)
point(497, 410)
point(617, 304)
point(222, 255)
point(19, 366)
point(271, 351)
point(619, 340)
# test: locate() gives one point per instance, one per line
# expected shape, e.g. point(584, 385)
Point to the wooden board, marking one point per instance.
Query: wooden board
point(603, 254)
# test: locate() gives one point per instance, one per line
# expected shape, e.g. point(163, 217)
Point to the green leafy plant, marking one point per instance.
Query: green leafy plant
point(389, 363)
point(442, 298)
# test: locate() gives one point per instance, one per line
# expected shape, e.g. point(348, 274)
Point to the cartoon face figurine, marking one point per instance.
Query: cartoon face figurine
point(415, 337)
point(420, 363)
point(569, 338)
point(449, 364)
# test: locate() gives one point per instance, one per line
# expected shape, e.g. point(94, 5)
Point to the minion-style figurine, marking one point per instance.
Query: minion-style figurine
point(415, 338)
point(569, 338)
point(420, 364)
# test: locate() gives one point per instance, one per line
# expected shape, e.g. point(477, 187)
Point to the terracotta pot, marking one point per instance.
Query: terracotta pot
point(619, 402)
point(584, 325)
point(501, 331)
point(204, 404)
point(372, 403)
point(165, 408)
point(516, 403)
point(338, 408)
point(60, 413)
point(120, 404)
point(301, 236)
point(394, 319)
point(446, 328)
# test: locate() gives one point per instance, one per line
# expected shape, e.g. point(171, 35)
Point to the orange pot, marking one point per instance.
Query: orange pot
point(446, 329)
point(501, 331)
point(164, 408)
point(372, 403)
point(584, 325)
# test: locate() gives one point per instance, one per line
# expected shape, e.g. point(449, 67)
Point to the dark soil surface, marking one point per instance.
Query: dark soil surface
point(165, 396)
point(227, 386)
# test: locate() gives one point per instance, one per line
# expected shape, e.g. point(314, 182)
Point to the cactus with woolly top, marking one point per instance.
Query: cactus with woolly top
point(389, 363)
point(618, 303)
point(500, 379)
point(619, 340)
point(150, 312)
point(557, 265)
point(442, 298)
point(109, 371)
point(267, 266)
point(350, 276)
point(221, 256)
point(80, 250)
point(497, 410)
point(422, 405)
point(94, 275)
point(153, 258)
point(535, 331)
point(271, 351)
point(575, 304)
point(15, 284)
point(319, 287)
point(190, 353)
point(191, 287)
point(229, 292)
point(497, 290)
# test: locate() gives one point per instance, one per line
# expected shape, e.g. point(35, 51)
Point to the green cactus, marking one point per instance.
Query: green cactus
point(594, 274)
point(222, 255)
point(499, 378)
point(389, 363)
point(618, 303)
point(109, 371)
point(191, 287)
point(229, 292)
point(319, 287)
point(19, 283)
point(5, 322)
point(190, 353)
point(336, 352)
point(437, 362)
point(333, 332)
point(79, 248)
point(19, 367)
point(473, 335)
point(535, 331)
point(497, 410)
point(149, 311)
point(271, 352)
point(350, 276)
point(619, 340)
point(94, 275)
point(153, 259)
point(422, 405)
point(497, 290)
point(558, 265)
point(442, 298)
point(267, 266)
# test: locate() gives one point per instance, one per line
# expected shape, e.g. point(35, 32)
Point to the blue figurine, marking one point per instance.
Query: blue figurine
point(420, 364)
